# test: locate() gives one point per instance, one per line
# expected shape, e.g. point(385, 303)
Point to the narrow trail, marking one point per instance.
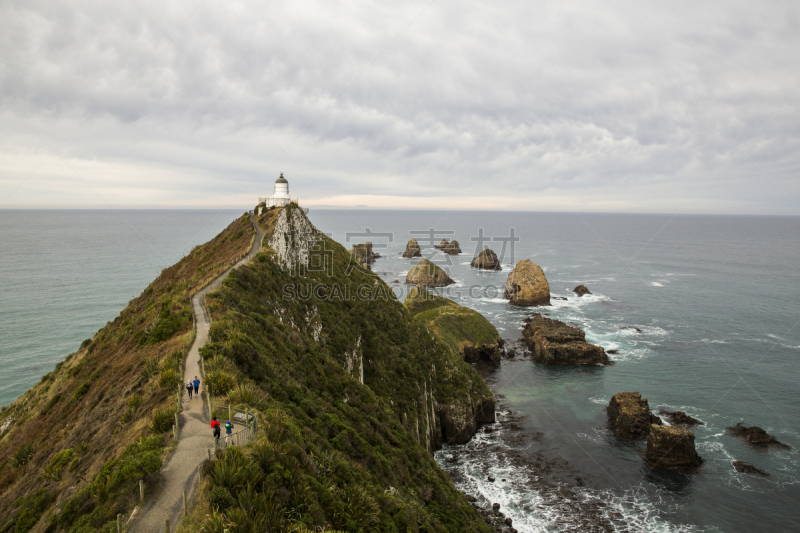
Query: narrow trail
point(183, 467)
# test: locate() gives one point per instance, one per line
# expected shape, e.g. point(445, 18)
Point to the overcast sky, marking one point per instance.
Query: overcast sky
point(640, 106)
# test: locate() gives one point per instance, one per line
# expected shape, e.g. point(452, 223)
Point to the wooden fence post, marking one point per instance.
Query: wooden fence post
point(141, 490)
point(209, 453)
point(119, 523)
point(185, 505)
point(166, 526)
point(229, 411)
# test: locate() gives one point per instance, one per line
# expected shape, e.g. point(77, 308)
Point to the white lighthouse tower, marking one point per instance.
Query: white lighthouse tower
point(280, 195)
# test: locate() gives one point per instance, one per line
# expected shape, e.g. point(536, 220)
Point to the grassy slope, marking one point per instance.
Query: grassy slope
point(79, 440)
point(452, 324)
point(334, 452)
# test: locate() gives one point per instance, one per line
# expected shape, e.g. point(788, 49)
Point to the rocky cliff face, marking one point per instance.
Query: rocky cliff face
point(364, 254)
point(293, 237)
point(554, 343)
point(526, 285)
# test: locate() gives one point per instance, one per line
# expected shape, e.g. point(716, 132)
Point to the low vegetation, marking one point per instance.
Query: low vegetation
point(453, 325)
point(75, 446)
point(333, 453)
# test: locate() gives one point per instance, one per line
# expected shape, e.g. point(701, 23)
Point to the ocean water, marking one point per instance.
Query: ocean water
point(65, 273)
point(714, 300)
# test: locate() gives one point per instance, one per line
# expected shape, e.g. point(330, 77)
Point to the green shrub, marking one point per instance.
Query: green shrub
point(221, 498)
point(153, 443)
point(31, 509)
point(150, 368)
point(169, 379)
point(169, 323)
point(81, 391)
point(245, 394)
point(23, 455)
point(130, 411)
point(149, 462)
point(49, 405)
point(220, 382)
point(57, 463)
point(163, 419)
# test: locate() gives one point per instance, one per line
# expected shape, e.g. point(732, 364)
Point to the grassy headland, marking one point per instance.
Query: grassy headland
point(351, 392)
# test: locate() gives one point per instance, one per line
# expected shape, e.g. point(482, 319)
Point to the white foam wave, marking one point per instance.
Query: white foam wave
point(656, 284)
point(713, 341)
point(600, 400)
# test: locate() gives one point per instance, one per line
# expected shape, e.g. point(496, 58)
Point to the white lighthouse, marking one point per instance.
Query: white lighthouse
point(280, 195)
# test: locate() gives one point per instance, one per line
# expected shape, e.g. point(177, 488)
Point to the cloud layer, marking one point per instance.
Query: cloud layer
point(595, 106)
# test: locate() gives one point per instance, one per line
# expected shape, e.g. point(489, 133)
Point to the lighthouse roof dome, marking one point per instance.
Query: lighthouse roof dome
point(281, 179)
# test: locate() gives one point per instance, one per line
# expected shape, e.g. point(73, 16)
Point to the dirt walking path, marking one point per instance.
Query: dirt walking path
point(194, 439)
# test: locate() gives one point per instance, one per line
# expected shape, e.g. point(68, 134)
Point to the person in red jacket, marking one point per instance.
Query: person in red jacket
point(216, 427)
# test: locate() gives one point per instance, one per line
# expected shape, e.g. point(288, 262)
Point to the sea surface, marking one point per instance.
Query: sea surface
point(704, 311)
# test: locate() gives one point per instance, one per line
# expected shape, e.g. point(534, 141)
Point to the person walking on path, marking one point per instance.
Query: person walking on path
point(228, 431)
point(196, 384)
point(189, 388)
point(216, 429)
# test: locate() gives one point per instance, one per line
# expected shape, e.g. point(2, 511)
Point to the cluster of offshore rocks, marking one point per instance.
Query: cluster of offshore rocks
point(629, 418)
point(493, 517)
point(673, 446)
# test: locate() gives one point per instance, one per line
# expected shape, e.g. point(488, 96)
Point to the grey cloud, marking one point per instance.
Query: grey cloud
point(514, 99)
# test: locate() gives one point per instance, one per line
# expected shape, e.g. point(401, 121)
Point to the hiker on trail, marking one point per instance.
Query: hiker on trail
point(196, 384)
point(215, 427)
point(189, 388)
point(228, 431)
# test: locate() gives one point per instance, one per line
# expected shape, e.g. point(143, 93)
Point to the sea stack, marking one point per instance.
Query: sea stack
point(629, 415)
point(526, 285)
point(427, 274)
point(486, 260)
point(364, 254)
point(412, 249)
point(671, 447)
point(554, 343)
point(452, 248)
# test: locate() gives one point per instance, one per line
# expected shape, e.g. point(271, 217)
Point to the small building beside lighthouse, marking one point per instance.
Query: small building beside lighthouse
point(280, 195)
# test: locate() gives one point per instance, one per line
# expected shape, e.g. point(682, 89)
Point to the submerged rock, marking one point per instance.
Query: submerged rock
point(554, 343)
point(581, 290)
point(755, 436)
point(363, 253)
point(412, 249)
point(747, 468)
point(629, 415)
point(679, 417)
point(671, 447)
point(427, 274)
point(526, 285)
point(486, 260)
